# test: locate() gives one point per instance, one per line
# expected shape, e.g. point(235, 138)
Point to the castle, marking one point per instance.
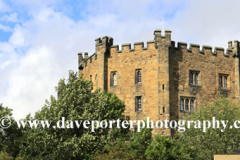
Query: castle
point(160, 80)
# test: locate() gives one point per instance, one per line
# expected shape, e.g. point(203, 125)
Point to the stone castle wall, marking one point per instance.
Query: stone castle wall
point(165, 74)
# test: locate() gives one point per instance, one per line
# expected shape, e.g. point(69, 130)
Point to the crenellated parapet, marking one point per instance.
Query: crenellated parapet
point(232, 50)
point(104, 46)
point(137, 45)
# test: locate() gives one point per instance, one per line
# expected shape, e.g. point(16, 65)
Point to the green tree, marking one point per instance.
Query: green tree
point(75, 101)
point(141, 141)
point(11, 137)
point(160, 148)
point(127, 148)
point(195, 143)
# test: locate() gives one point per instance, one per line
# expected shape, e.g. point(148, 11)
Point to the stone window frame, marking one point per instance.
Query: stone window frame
point(191, 107)
point(112, 73)
point(137, 108)
point(137, 81)
point(196, 78)
point(223, 80)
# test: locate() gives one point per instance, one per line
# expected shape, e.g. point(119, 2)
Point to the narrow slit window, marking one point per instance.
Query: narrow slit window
point(138, 103)
point(139, 76)
point(163, 109)
point(163, 87)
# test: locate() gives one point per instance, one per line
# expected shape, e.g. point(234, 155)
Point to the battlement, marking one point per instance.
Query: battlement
point(105, 45)
point(137, 46)
point(230, 51)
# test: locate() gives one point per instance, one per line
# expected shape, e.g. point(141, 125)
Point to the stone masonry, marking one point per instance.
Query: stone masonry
point(174, 80)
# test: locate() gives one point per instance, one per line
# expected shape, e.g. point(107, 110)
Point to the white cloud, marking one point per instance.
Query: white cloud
point(5, 28)
point(17, 37)
point(4, 7)
point(10, 18)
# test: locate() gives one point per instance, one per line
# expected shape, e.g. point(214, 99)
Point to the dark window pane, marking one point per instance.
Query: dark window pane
point(191, 105)
point(139, 103)
point(139, 77)
point(191, 78)
point(220, 81)
point(186, 104)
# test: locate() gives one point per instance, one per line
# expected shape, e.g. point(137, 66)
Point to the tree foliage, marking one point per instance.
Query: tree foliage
point(160, 148)
point(196, 144)
point(11, 137)
point(75, 101)
point(126, 147)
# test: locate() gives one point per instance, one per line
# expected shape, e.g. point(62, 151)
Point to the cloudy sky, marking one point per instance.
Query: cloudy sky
point(40, 39)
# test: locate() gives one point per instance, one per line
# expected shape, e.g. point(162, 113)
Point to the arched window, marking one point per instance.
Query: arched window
point(186, 104)
point(220, 81)
point(139, 76)
point(181, 104)
point(225, 81)
point(192, 105)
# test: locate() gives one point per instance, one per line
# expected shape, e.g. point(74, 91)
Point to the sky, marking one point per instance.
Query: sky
point(40, 39)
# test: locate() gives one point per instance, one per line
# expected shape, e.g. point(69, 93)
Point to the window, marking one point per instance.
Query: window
point(90, 77)
point(185, 103)
point(220, 81)
point(138, 103)
point(223, 81)
point(95, 56)
point(90, 59)
point(138, 76)
point(181, 104)
point(191, 105)
point(191, 78)
point(194, 77)
point(113, 78)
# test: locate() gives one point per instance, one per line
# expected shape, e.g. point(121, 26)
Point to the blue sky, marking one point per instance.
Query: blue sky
point(40, 39)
